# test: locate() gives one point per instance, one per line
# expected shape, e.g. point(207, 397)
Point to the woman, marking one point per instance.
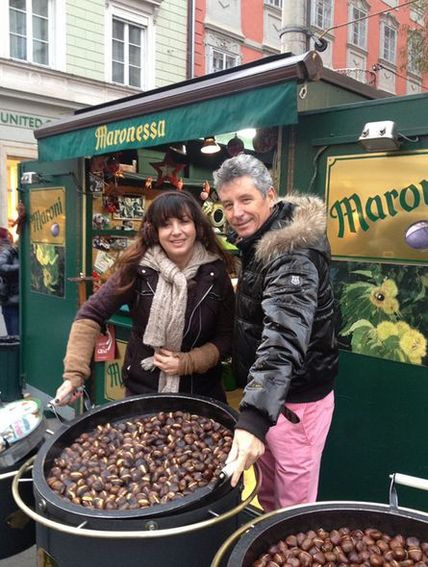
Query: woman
point(175, 281)
point(9, 282)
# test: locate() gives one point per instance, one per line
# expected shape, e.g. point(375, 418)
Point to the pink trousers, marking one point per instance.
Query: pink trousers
point(291, 463)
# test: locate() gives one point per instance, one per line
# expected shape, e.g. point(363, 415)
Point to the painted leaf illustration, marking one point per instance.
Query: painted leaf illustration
point(384, 310)
point(361, 324)
point(359, 301)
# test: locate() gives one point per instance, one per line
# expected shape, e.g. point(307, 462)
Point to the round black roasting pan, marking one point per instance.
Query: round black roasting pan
point(53, 505)
point(329, 516)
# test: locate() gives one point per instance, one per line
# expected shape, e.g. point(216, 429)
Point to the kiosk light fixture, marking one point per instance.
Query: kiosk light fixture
point(382, 136)
point(29, 177)
point(210, 146)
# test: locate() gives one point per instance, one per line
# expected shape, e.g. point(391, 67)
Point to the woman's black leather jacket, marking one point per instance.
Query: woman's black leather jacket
point(209, 318)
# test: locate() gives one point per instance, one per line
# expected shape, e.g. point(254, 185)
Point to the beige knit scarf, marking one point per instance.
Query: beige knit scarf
point(165, 326)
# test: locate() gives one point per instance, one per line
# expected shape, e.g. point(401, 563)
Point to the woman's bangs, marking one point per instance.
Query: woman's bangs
point(170, 207)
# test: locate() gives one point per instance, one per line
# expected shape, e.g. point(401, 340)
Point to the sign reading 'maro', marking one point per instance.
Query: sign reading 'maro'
point(372, 201)
point(47, 215)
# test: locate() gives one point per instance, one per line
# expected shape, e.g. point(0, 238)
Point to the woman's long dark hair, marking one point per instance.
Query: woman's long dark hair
point(171, 204)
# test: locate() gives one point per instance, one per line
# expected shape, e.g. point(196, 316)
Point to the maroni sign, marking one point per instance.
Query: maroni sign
point(372, 202)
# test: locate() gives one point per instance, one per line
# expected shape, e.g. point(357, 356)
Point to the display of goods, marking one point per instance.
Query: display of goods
point(17, 420)
point(345, 548)
point(141, 462)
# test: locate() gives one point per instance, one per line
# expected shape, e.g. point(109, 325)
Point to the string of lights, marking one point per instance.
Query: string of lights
point(385, 11)
point(378, 66)
point(348, 70)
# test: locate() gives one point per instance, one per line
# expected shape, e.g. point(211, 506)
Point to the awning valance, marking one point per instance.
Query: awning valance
point(255, 108)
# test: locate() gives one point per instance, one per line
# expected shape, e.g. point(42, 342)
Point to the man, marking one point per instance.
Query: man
point(284, 342)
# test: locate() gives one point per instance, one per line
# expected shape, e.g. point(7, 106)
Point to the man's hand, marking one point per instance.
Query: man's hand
point(246, 449)
point(66, 394)
point(167, 361)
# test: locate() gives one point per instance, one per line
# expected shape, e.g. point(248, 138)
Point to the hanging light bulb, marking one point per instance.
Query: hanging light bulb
point(235, 146)
point(210, 146)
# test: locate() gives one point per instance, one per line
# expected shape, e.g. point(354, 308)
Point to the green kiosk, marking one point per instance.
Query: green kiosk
point(100, 168)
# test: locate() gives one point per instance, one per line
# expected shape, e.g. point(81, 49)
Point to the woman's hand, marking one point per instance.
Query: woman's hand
point(167, 361)
point(66, 394)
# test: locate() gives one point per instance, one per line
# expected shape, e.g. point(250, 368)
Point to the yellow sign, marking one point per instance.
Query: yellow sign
point(47, 215)
point(113, 385)
point(374, 204)
point(107, 138)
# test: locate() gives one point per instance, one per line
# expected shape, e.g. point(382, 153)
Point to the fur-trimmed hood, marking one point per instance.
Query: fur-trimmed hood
point(304, 228)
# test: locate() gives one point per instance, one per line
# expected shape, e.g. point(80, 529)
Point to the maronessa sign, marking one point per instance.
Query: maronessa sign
point(373, 201)
point(107, 138)
point(262, 107)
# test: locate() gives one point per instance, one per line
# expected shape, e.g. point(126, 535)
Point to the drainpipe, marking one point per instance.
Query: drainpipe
point(190, 70)
point(295, 32)
point(294, 36)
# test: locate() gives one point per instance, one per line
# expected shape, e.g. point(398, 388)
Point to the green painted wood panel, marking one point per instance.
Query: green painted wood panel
point(46, 319)
point(380, 424)
point(379, 428)
point(321, 94)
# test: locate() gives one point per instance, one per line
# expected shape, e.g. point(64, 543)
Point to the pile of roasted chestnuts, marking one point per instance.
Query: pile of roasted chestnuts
point(345, 548)
point(141, 462)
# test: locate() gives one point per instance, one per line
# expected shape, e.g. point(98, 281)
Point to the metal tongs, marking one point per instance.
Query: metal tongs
point(52, 405)
point(226, 474)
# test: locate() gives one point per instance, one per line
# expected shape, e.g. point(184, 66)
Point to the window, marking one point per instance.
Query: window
point(222, 52)
point(322, 14)
point(127, 53)
point(358, 29)
point(220, 60)
point(274, 3)
point(130, 44)
point(29, 30)
point(414, 51)
point(389, 43)
point(417, 11)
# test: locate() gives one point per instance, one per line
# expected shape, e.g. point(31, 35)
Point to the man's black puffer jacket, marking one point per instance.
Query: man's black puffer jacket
point(284, 339)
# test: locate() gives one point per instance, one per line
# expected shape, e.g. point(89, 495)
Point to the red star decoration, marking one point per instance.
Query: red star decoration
point(167, 171)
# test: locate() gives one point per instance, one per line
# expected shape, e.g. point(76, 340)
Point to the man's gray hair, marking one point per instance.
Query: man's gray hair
point(241, 165)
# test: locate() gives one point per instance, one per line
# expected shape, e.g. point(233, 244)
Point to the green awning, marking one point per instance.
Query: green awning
point(255, 108)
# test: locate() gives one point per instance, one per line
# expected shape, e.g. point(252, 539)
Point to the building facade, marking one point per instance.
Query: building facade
point(234, 32)
point(376, 42)
point(57, 56)
point(377, 47)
